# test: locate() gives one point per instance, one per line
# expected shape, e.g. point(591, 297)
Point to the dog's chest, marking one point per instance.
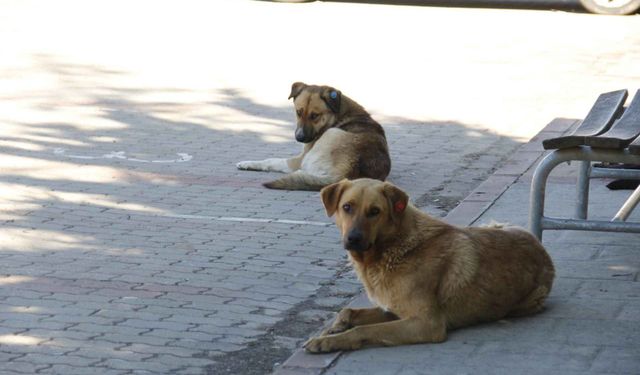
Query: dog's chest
point(378, 287)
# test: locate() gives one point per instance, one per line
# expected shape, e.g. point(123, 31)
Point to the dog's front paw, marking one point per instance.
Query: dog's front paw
point(248, 165)
point(337, 327)
point(319, 345)
point(328, 344)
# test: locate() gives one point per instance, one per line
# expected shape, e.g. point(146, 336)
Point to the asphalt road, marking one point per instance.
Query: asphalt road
point(571, 5)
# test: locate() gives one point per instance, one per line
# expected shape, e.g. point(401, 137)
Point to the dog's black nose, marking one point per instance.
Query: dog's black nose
point(354, 240)
point(300, 136)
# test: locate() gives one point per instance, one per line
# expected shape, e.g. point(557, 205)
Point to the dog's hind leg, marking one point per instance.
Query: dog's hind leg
point(349, 318)
point(532, 304)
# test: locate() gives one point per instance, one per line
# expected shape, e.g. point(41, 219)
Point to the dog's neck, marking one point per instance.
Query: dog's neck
point(352, 117)
point(350, 112)
point(350, 107)
point(414, 230)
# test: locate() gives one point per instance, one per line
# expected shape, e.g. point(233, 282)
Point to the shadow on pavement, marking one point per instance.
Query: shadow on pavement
point(113, 248)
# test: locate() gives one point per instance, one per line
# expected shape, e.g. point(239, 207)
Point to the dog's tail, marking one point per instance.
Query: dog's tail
point(497, 225)
point(300, 181)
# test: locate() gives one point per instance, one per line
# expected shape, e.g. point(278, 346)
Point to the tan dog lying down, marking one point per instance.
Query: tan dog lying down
point(424, 275)
point(341, 140)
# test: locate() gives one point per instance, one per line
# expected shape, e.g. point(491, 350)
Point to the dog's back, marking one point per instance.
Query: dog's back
point(367, 150)
point(507, 272)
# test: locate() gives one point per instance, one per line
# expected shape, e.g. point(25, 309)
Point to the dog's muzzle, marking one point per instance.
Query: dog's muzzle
point(303, 136)
point(300, 135)
point(355, 241)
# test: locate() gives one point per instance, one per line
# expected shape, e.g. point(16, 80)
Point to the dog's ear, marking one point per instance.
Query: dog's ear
point(332, 98)
point(397, 199)
point(296, 89)
point(331, 196)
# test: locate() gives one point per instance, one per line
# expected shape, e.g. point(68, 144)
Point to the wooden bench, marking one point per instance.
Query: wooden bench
point(610, 134)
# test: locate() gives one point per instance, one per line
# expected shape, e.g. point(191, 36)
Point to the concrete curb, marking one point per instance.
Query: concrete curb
point(465, 214)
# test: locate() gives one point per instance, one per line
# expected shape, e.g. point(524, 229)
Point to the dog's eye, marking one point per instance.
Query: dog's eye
point(346, 207)
point(313, 116)
point(299, 112)
point(373, 212)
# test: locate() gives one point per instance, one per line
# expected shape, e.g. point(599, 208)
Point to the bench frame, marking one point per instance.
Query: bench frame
point(538, 222)
point(579, 148)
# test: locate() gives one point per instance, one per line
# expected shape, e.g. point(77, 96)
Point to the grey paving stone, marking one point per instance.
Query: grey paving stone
point(193, 321)
point(152, 367)
point(563, 252)
point(96, 329)
point(6, 357)
point(608, 289)
point(189, 371)
point(619, 360)
point(488, 368)
point(156, 324)
point(592, 270)
point(181, 361)
point(604, 332)
point(525, 355)
point(210, 347)
point(159, 349)
point(70, 359)
point(630, 311)
point(131, 339)
point(26, 298)
point(566, 287)
point(28, 318)
point(119, 315)
point(21, 367)
point(25, 324)
point(582, 308)
point(81, 319)
point(72, 370)
point(168, 335)
point(63, 334)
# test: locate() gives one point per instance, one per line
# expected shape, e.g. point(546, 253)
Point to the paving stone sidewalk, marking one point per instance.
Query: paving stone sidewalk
point(140, 248)
point(591, 324)
point(130, 243)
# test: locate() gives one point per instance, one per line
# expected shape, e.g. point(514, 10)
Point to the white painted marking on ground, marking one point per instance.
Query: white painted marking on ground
point(182, 157)
point(249, 220)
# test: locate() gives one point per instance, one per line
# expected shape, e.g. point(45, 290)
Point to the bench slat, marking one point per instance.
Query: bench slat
point(623, 131)
point(607, 107)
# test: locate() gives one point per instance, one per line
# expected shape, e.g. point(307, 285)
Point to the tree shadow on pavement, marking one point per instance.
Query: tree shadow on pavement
point(115, 244)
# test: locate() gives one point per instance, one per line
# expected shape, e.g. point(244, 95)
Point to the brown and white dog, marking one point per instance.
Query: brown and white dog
point(340, 138)
point(424, 275)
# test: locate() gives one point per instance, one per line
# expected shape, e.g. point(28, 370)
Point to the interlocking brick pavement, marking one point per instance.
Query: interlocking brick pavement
point(130, 243)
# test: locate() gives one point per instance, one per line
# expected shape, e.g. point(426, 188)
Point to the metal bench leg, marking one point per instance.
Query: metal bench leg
point(582, 186)
point(537, 194)
point(628, 206)
point(536, 205)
